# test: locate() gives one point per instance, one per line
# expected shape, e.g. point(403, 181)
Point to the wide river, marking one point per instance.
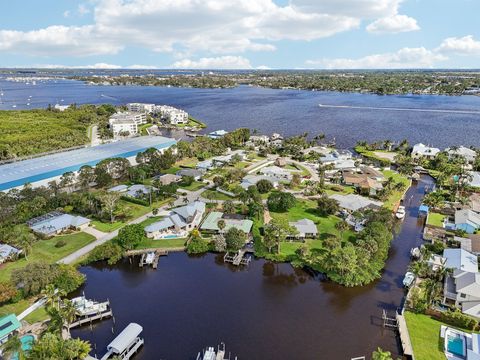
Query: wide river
point(437, 120)
point(265, 311)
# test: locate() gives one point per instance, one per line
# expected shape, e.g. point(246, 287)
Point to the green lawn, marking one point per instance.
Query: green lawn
point(340, 189)
point(396, 196)
point(306, 209)
point(242, 164)
point(435, 219)
point(107, 227)
point(215, 195)
point(371, 154)
point(18, 307)
point(187, 162)
point(425, 336)
point(143, 129)
point(194, 186)
point(45, 250)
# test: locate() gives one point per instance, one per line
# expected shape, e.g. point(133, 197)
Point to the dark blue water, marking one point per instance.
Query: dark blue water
point(288, 112)
point(265, 311)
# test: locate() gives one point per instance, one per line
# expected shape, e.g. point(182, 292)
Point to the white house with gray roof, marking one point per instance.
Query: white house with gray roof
point(250, 180)
point(466, 153)
point(423, 151)
point(56, 222)
point(8, 252)
point(467, 220)
point(353, 202)
point(178, 222)
point(306, 228)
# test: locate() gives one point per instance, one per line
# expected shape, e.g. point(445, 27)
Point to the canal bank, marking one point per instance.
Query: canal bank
point(264, 311)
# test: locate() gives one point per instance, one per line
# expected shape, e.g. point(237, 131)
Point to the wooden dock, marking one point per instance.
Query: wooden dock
point(238, 259)
point(404, 336)
point(90, 319)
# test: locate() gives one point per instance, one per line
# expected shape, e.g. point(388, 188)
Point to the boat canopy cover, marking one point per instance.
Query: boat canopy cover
point(125, 338)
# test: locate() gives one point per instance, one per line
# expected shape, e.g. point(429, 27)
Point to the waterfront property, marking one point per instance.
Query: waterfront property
point(468, 154)
point(56, 222)
point(178, 222)
point(126, 123)
point(39, 171)
point(466, 220)
point(8, 326)
point(210, 223)
point(353, 202)
point(126, 344)
point(459, 345)
point(305, 228)
point(217, 134)
point(421, 151)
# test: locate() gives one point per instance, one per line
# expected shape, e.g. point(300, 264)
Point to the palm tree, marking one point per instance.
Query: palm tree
point(53, 296)
point(25, 241)
point(221, 225)
point(341, 226)
point(68, 313)
point(13, 347)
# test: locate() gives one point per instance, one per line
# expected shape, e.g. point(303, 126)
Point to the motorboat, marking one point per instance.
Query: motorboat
point(86, 307)
point(408, 279)
point(400, 214)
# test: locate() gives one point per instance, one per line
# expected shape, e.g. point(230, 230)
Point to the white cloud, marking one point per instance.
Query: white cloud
point(94, 66)
point(222, 62)
point(406, 58)
point(393, 24)
point(466, 45)
point(66, 14)
point(188, 27)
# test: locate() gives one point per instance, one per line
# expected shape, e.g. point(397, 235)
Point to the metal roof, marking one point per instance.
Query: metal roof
point(461, 260)
point(211, 223)
point(58, 223)
point(8, 324)
point(45, 167)
point(125, 338)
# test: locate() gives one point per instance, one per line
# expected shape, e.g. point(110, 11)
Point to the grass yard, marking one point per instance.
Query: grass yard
point(194, 186)
point(143, 129)
point(396, 196)
point(18, 307)
point(45, 250)
point(187, 162)
point(242, 164)
point(215, 195)
point(425, 336)
point(372, 154)
point(107, 227)
point(172, 170)
point(306, 209)
point(435, 219)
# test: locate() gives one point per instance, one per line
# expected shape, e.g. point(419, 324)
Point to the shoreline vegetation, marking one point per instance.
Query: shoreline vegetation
point(375, 82)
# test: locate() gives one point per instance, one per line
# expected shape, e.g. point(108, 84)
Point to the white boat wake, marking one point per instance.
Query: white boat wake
point(445, 111)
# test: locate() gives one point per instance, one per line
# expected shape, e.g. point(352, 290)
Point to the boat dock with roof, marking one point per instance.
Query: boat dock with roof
point(126, 344)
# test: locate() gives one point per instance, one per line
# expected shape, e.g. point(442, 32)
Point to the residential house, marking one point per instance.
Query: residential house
point(367, 185)
point(250, 180)
point(8, 253)
point(467, 220)
point(474, 202)
point(56, 222)
point(196, 174)
point(460, 259)
point(277, 172)
point(139, 190)
point(178, 222)
point(9, 326)
point(468, 154)
point(353, 202)
point(471, 245)
point(306, 228)
point(422, 151)
point(231, 221)
point(118, 189)
point(259, 139)
point(168, 179)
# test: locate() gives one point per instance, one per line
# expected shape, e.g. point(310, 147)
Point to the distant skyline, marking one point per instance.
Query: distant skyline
point(236, 34)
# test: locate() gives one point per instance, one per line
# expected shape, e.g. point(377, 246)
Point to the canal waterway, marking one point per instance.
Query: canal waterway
point(265, 311)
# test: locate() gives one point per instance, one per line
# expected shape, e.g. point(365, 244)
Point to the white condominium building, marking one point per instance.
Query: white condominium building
point(123, 122)
point(173, 115)
point(141, 107)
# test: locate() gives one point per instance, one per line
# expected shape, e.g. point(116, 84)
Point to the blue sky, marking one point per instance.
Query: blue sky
point(213, 34)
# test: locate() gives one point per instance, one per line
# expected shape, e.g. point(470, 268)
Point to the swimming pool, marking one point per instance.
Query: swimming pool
point(27, 343)
point(170, 236)
point(456, 344)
